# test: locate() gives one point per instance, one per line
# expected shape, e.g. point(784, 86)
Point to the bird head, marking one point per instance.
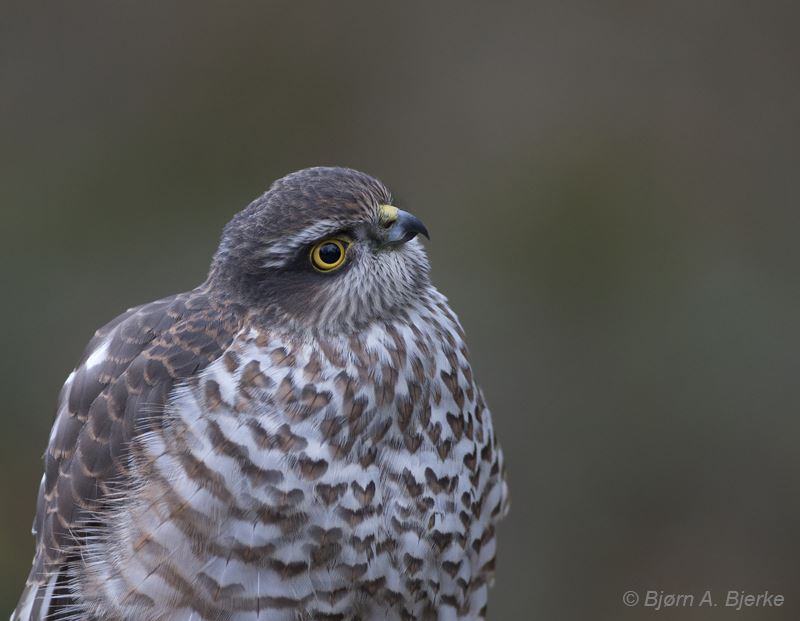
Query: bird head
point(325, 249)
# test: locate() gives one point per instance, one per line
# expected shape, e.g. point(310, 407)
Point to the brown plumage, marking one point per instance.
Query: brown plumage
point(102, 407)
point(318, 428)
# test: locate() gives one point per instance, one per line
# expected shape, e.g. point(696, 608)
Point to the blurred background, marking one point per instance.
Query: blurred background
point(612, 193)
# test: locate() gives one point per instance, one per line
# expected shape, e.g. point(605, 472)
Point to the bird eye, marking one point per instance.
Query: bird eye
point(328, 254)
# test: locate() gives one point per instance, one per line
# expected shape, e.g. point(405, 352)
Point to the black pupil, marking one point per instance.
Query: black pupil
point(330, 253)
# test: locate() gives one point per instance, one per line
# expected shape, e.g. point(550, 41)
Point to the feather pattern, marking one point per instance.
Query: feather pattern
point(119, 388)
point(277, 444)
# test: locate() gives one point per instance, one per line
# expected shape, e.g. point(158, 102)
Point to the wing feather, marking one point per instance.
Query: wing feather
point(118, 390)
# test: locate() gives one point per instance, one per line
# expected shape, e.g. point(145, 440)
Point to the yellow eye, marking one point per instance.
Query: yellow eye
point(328, 254)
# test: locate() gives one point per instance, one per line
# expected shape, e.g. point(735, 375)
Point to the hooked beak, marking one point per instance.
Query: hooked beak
point(401, 226)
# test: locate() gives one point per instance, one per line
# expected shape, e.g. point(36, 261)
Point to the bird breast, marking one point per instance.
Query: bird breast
point(332, 475)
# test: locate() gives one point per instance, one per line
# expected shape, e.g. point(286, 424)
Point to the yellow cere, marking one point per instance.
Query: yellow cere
point(388, 214)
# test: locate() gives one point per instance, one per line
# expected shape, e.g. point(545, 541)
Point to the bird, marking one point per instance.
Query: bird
point(299, 437)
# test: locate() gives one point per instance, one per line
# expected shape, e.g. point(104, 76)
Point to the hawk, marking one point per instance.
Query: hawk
point(300, 437)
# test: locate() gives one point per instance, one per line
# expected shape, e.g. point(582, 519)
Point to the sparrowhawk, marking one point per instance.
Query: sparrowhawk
point(299, 437)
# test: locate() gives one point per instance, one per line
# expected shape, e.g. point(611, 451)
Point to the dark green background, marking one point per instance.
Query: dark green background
point(611, 189)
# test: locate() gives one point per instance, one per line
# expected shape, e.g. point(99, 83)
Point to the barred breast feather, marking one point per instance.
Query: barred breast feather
point(317, 477)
